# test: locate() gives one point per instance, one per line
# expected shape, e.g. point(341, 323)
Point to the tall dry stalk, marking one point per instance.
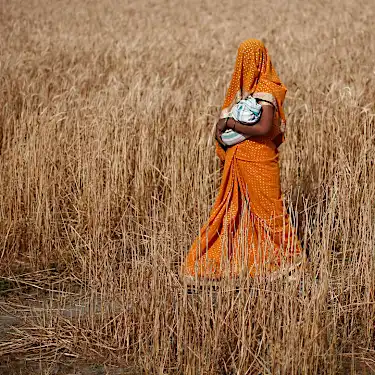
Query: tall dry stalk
point(107, 173)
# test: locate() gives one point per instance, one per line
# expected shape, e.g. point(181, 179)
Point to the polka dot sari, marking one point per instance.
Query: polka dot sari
point(248, 231)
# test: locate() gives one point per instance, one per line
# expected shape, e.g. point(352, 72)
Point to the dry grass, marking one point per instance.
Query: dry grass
point(107, 172)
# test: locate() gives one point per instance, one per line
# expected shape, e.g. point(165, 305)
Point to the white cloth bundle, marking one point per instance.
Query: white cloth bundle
point(248, 112)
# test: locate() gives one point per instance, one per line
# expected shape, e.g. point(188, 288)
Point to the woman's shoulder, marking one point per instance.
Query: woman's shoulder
point(265, 98)
point(263, 102)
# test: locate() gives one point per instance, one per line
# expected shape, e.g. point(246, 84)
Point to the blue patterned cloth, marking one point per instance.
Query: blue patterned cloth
point(246, 111)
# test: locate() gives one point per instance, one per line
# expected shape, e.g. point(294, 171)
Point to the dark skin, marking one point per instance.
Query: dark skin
point(262, 127)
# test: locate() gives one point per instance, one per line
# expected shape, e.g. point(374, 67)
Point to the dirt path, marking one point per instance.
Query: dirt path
point(12, 364)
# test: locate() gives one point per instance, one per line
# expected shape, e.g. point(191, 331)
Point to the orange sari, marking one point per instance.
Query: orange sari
point(249, 231)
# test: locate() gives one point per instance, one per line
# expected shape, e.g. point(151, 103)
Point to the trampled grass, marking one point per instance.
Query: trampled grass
point(108, 170)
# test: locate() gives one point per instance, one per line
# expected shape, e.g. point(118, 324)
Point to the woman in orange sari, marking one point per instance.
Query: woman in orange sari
point(249, 231)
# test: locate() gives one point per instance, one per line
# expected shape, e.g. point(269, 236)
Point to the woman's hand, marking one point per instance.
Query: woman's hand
point(220, 128)
point(231, 123)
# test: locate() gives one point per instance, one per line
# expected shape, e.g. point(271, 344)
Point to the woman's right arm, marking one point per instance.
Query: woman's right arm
point(220, 128)
point(262, 127)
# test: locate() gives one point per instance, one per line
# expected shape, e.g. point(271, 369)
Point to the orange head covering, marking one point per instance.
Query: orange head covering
point(254, 75)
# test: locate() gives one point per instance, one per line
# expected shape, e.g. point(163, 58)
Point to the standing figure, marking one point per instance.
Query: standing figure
point(248, 231)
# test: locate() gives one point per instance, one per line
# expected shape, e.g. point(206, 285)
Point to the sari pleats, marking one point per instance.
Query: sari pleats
point(248, 231)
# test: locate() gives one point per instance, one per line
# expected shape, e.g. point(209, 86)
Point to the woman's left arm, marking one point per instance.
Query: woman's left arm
point(262, 127)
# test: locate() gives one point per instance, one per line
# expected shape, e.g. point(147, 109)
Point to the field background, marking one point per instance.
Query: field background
point(108, 170)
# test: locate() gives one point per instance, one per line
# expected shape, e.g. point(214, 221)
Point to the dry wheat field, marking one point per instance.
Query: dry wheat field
point(108, 170)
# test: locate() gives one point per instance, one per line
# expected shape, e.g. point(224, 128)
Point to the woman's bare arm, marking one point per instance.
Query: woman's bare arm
point(262, 127)
point(220, 128)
